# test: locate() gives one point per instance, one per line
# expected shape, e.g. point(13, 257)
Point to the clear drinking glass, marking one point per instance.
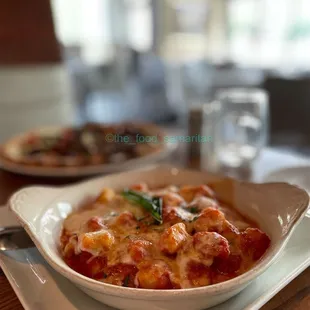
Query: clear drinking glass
point(238, 122)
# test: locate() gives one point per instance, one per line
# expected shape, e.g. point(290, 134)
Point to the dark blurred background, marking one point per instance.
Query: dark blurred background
point(116, 54)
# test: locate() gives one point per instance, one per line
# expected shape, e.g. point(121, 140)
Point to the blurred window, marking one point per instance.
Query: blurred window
point(96, 26)
point(140, 24)
point(259, 33)
point(277, 30)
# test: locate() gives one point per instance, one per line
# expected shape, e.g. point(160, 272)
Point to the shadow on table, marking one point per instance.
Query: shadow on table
point(44, 272)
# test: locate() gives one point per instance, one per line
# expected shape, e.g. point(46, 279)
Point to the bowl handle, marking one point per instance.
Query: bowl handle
point(29, 202)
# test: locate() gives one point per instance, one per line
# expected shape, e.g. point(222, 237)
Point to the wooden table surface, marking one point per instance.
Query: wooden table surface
point(294, 296)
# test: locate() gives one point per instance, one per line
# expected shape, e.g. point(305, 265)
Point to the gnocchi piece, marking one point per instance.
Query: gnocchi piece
point(172, 200)
point(95, 242)
point(190, 192)
point(201, 203)
point(154, 275)
point(174, 215)
point(94, 224)
point(106, 195)
point(139, 249)
point(232, 234)
point(171, 215)
point(173, 238)
point(210, 220)
point(254, 243)
point(211, 244)
point(125, 220)
point(198, 274)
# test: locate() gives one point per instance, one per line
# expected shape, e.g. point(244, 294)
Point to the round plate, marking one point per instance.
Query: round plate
point(11, 149)
point(299, 176)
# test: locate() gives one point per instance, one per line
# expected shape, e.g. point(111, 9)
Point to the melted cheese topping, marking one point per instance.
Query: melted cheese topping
point(118, 242)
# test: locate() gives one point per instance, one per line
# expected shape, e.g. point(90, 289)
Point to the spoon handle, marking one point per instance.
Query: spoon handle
point(10, 230)
point(14, 238)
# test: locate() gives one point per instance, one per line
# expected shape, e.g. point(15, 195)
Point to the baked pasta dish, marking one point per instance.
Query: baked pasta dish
point(165, 238)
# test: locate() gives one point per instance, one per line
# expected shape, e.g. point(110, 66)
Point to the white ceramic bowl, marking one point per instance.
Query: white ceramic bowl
point(277, 207)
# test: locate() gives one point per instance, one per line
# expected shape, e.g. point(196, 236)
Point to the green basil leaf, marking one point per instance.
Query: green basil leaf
point(152, 205)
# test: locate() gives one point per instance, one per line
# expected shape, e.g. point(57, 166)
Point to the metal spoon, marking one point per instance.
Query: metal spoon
point(14, 238)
